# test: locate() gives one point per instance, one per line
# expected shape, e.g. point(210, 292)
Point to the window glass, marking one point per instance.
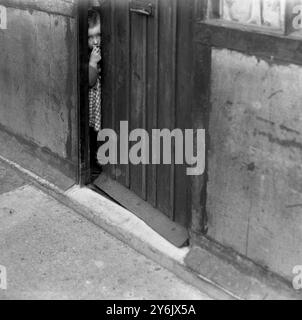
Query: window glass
point(257, 12)
point(294, 17)
point(282, 15)
point(273, 12)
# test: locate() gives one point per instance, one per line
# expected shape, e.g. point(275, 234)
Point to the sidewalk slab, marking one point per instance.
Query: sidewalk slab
point(51, 252)
point(125, 226)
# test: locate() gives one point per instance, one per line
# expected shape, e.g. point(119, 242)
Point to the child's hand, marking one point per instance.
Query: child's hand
point(95, 57)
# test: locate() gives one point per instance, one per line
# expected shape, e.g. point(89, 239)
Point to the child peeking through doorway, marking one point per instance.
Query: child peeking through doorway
point(94, 44)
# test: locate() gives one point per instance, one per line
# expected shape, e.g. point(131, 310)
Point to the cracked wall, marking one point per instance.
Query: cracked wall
point(254, 200)
point(38, 67)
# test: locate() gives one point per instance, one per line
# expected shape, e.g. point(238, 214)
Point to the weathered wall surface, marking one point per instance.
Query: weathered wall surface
point(255, 162)
point(38, 76)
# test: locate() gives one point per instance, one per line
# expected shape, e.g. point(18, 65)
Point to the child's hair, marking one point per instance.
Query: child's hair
point(93, 18)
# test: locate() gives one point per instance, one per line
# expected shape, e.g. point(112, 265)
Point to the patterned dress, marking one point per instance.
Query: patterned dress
point(95, 114)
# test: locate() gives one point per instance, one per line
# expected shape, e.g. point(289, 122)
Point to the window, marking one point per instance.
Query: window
point(282, 16)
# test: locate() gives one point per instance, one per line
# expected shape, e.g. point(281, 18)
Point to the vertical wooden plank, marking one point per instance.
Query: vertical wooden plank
point(114, 75)
point(121, 79)
point(200, 117)
point(128, 86)
point(138, 90)
point(107, 68)
point(183, 103)
point(144, 111)
point(165, 98)
point(152, 95)
point(174, 59)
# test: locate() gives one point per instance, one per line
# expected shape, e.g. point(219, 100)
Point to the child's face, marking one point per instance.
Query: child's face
point(94, 36)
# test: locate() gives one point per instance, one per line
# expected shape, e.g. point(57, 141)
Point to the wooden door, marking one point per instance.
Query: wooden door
point(147, 76)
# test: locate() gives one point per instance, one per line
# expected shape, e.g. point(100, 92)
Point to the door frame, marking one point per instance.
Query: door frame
point(83, 79)
point(199, 110)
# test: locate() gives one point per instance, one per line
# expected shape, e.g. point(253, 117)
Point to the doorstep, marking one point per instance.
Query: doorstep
point(133, 231)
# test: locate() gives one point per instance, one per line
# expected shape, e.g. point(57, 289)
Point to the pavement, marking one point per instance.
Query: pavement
point(51, 252)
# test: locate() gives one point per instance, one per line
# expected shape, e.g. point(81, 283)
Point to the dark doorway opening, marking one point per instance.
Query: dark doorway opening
point(88, 145)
